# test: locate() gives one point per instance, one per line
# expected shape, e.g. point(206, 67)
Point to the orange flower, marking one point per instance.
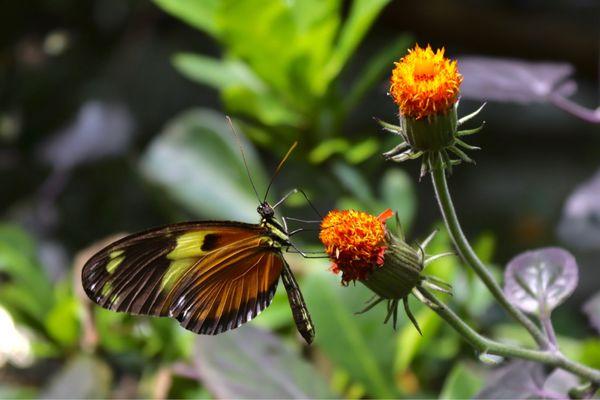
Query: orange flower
point(355, 241)
point(425, 83)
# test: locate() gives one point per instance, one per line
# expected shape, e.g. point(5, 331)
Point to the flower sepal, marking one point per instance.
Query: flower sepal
point(434, 137)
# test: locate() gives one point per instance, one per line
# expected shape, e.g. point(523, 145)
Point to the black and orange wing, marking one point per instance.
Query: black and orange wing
point(210, 276)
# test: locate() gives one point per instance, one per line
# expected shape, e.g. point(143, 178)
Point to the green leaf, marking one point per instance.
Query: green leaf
point(265, 107)
point(352, 180)
point(252, 363)
point(200, 14)
point(197, 161)
point(410, 342)
point(397, 191)
point(463, 382)
point(377, 67)
point(285, 43)
point(279, 314)
point(62, 322)
point(28, 292)
point(361, 17)
point(360, 345)
point(361, 151)
point(219, 74)
point(327, 148)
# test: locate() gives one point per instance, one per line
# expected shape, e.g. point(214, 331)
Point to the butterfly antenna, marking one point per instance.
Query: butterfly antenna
point(283, 160)
point(239, 142)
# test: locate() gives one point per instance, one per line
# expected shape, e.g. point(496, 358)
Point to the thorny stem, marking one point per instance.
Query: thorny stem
point(485, 345)
point(468, 255)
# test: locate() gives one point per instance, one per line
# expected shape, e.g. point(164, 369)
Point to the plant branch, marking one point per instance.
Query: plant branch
point(485, 345)
point(548, 329)
point(468, 255)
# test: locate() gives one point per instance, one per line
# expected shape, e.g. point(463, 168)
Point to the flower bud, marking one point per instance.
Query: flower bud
point(362, 249)
point(426, 86)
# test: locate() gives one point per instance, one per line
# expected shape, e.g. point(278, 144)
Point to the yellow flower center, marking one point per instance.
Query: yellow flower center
point(424, 83)
point(424, 69)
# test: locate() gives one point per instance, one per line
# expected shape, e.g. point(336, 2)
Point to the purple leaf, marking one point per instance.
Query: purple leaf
point(538, 281)
point(512, 80)
point(252, 363)
point(592, 309)
point(580, 222)
point(517, 380)
point(99, 130)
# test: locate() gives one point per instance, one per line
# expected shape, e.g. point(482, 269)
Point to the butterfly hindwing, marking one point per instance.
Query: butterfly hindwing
point(211, 276)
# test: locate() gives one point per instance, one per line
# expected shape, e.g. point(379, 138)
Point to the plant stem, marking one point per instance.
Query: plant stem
point(485, 345)
point(468, 255)
point(549, 329)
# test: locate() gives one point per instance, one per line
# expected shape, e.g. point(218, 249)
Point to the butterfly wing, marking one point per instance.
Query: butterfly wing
point(210, 276)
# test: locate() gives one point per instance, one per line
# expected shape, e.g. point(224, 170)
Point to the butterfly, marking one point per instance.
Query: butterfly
point(211, 276)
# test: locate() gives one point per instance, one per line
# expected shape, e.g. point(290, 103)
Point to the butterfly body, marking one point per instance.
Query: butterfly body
point(212, 276)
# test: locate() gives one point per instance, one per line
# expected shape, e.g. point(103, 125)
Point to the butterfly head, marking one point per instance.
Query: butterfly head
point(265, 210)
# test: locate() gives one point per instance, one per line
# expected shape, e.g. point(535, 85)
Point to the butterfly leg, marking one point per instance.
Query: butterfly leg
point(305, 253)
point(300, 312)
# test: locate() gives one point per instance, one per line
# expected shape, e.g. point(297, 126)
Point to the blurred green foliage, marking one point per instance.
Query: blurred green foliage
point(281, 74)
point(281, 64)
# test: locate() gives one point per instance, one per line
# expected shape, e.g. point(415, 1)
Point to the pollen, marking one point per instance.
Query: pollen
point(425, 83)
point(355, 242)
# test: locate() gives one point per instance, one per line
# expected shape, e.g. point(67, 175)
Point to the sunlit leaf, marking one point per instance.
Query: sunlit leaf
point(580, 222)
point(592, 310)
point(362, 151)
point(198, 13)
point(25, 289)
point(487, 78)
point(62, 321)
point(252, 363)
point(216, 73)
point(410, 342)
point(328, 148)
point(196, 159)
point(538, 281)
point(264, 106)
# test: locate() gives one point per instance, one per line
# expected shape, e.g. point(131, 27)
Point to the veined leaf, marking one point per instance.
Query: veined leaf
point(540, 280)
point(198, 162)
point(252, 363)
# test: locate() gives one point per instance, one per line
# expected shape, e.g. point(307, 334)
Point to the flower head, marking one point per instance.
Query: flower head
point(355, 241)
point(425, 83)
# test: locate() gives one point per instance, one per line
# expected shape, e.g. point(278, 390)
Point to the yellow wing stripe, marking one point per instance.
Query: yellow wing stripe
point(189, 245)
point(174, 272)
point(114, 262)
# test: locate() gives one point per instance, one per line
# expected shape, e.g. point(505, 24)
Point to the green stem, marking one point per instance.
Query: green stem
point(485, 345)
point(467, 253)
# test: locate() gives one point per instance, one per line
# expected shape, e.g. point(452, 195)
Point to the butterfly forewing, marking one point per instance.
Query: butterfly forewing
point(211, 276)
